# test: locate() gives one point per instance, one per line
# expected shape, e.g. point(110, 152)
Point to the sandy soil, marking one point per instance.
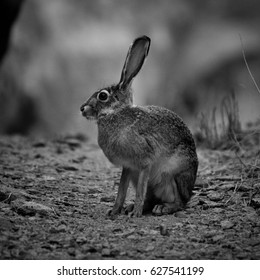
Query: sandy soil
point(54, 195)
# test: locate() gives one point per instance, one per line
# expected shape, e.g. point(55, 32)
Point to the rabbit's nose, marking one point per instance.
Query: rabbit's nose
point(82, 108)
point(86, 110)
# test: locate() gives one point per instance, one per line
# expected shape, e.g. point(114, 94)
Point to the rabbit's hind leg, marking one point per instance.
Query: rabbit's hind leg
point(168, 194)
point(185, 183)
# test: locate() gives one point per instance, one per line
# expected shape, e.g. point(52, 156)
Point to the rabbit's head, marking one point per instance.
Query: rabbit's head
point(116, 96)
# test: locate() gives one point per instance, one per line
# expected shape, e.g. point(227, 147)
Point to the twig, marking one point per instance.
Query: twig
point(247, 66)
point(7, 199)
point(240, 159)
point(226, 178)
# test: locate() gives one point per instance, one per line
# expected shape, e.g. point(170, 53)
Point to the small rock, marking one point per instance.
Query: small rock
point(59, 150)
point(200, 183)
point(211, 204)
point(39, 144)
point(61, 228)
point(37, 156)
point(48, 178)
point(243, 255)
point(89, 248)
point(255, 202)
point(210, 233)
point(107, 199)
point(131, 237)
point(5, 224)
point(219, 210)
point(106, 252)
point(71, 251)
point(216, 238)
point(117, 230)
point(180, 214)
point(5, 208)
point(149, 248)
point(114, 252)
point(254, 242)
point(194, 239)
point(69, 168)
point(73, 143)
point(31, 208)
point(153, 232)
point(75, 189)
point(215, 196)
point(226, 224)
point(90, 190)
point(192, 226)
point(125, 233)
point(81, 239)
point(148, 232)
point(80, 159)
point(178, 224)
point(205, 221)
point(164, 230)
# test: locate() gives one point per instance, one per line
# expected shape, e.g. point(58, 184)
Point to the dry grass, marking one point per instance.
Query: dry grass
point(220, 127)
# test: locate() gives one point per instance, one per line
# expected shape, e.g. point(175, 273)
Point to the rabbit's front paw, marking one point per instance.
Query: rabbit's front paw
point(137, 212)
point(129, 208)
point(113, 212)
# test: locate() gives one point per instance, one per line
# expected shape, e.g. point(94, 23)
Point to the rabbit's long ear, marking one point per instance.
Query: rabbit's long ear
point(134, 60)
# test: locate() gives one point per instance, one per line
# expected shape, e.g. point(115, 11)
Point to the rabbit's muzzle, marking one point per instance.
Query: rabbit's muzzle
point(84, 108)
point(87, 111)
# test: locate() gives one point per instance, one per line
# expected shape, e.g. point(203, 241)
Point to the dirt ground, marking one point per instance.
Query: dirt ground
point(54, 195)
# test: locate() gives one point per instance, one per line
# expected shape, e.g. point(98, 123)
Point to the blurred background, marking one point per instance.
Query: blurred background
point(56, 53)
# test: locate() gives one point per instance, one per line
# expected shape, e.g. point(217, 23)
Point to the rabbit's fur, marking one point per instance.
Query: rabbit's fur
point(152, 144)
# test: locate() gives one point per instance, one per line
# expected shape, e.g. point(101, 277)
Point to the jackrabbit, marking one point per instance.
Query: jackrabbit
point(152, 144)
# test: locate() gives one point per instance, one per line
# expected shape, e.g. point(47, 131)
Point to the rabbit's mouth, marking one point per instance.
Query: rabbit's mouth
point(88, 112)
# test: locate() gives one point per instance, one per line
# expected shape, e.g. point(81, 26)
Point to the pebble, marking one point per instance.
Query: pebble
point(216, 238)
point(107, 199)
point(164, 230)
point(106, 252)
point(226, 224)
point(149, 248)
point(214, 196)
point(31, 208)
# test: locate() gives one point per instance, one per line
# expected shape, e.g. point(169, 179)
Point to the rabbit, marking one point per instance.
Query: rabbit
point(152, 144)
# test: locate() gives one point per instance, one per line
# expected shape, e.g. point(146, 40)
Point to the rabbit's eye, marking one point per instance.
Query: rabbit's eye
point(103, 96)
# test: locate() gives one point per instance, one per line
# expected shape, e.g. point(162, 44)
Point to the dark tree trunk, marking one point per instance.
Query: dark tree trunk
point(9, 11)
